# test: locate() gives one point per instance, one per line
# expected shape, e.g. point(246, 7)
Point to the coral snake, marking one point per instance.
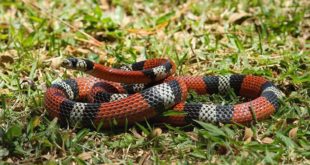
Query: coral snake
point(144, 90)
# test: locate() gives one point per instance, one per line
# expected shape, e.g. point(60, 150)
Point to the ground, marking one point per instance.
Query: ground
point(259, 37)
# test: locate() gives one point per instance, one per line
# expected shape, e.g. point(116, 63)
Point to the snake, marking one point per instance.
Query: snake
point(145, 90)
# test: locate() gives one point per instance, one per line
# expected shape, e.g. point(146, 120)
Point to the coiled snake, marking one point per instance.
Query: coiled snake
point(145, 89)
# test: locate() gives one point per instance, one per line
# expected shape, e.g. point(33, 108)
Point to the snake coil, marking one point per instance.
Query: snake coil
point(145, 89)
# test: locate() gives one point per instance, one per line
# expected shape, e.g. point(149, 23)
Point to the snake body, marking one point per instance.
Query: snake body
point(146, 89)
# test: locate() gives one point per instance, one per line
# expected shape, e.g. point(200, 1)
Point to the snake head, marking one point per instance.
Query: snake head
point(78, 64)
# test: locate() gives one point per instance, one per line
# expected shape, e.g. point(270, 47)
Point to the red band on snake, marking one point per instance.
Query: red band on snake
point(146, 89)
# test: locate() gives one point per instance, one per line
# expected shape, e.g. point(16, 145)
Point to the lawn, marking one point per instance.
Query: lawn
point(259, 37)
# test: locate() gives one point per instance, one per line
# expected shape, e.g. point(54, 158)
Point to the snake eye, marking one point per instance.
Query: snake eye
point(66, 63)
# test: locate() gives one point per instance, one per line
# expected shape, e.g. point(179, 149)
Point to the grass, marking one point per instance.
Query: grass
point(260, 37)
